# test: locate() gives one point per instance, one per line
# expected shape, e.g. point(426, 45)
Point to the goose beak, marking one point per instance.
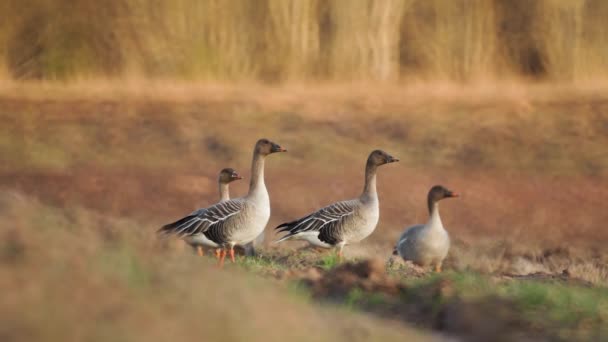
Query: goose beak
point(392, 159)
point(236, 176)
point(277, 148)
point(453, 194)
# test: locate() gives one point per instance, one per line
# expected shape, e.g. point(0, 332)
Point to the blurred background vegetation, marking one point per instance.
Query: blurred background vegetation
point(305, 40)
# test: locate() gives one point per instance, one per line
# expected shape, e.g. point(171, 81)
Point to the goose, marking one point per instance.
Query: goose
point(344, 222)
point(426, 244)
point(239, 220)
point(199, 241)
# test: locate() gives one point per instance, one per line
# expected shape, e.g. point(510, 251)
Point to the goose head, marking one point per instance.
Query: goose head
point(439, 192)
point(228, 175)
point(379, 157)
point(265, 147)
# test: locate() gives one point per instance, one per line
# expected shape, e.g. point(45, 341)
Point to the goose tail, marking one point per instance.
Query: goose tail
point(179, 227)
point(284, 238)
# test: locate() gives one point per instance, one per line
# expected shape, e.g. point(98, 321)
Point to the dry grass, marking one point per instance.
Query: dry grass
point(459, 40)
point(74, 275)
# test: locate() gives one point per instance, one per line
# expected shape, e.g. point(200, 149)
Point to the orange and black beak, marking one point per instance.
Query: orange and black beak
point(235, 176)
point(391, 159)
point(452, 194)
point(277, 148)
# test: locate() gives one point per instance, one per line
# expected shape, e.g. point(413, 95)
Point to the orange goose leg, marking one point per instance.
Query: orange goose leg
point(221, 260)
point(199, 250)
point(232, 253)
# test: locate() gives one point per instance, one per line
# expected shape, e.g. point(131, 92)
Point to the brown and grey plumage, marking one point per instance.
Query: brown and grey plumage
point(427, 244)
point(198, 241)
point(343, 222)
point(240, 220)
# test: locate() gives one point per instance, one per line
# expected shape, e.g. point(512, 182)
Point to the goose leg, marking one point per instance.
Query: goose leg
point(438, 267)
point(218, 252)
point(221, 260)
point(199, 250)
point(340, 254)
point(232, 253)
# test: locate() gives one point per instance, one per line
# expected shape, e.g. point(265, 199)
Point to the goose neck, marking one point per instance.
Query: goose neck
point(435, 219)
point(369, 189)
point(257, 174)
point(224, 192)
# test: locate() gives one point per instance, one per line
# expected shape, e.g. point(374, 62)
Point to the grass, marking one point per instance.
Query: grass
point(274, 41)
point(329, 261)
point(357, 299)
point(570, 311)
point(118, 282)
point(134, 276)
point(259, 264)
point(475, 304)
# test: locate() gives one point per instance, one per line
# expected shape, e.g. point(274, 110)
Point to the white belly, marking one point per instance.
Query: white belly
point(313, 239)
point(437, 242)
point(200, 239)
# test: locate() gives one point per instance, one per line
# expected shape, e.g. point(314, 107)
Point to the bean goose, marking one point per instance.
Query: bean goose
point(199, 241)
point(427, 244)
point(343, 222)
point(240, 220)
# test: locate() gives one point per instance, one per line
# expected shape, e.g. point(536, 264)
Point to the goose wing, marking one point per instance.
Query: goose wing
point(327, 221)
point(203, 220)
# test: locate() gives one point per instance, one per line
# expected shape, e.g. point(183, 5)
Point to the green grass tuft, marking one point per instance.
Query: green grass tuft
point(258, 263)
point(329, 261)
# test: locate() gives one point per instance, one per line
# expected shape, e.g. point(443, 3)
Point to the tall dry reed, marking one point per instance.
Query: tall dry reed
point(305, 40)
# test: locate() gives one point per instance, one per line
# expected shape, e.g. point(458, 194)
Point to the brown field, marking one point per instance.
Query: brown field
point(530, 170)
point(88, 173)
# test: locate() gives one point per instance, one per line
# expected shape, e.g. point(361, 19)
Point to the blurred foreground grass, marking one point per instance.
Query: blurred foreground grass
point(75, 275)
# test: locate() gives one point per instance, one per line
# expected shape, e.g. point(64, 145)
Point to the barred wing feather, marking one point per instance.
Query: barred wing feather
point(202, 220)
point(327, 221)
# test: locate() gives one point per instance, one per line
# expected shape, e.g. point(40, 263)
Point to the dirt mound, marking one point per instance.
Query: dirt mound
point(368, 276)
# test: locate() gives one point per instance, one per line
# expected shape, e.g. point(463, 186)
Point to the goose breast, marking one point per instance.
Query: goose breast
point(362, 224)
point(424, 246)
